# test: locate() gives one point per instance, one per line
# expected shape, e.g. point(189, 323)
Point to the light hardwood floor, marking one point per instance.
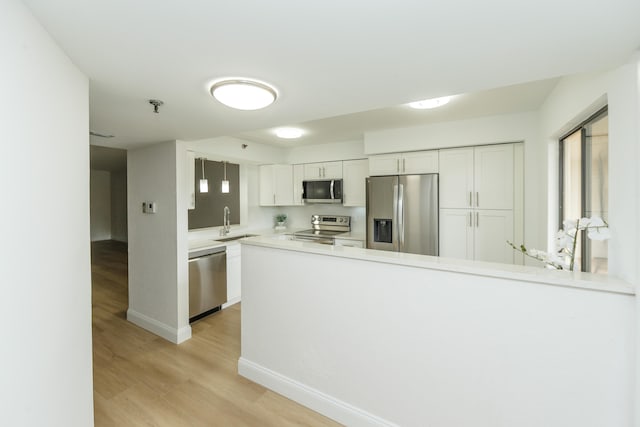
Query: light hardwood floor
point(140, 379)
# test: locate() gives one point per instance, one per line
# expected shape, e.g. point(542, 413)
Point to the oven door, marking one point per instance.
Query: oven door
point(323, 191)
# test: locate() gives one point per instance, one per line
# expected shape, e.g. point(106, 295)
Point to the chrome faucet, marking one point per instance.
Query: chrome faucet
point(226, 221)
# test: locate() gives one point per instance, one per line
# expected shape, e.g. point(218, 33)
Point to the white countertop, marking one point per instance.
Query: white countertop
point(533, 274)
point(211, 240)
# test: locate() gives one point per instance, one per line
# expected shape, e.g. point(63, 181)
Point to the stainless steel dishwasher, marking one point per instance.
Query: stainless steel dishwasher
point(207, 281)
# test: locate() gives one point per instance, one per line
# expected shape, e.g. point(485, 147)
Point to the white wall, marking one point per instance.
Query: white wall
point(348, 150)
point(119, 205)
point(158, 248)
point(484, 130)
point(573, 100)
point(46, 372)
point(230, 149)
point(382, 344)
point(100, 205)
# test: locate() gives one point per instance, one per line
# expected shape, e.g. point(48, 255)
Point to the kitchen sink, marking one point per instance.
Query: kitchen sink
point(230, 239)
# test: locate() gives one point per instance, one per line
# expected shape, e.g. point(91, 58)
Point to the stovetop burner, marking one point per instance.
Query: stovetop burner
point(326, 226)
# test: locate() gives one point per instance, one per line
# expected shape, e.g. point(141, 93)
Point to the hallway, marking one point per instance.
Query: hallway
point(141, 379)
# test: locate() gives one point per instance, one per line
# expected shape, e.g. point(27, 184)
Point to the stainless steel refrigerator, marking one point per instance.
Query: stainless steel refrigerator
point(402, 213)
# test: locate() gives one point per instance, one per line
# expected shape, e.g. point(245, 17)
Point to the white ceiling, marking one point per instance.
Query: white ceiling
point(326, 59)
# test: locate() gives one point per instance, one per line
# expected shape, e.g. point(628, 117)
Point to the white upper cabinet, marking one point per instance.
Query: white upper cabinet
point(191, 180)
point(384, 164)
point(493, 172)
point(478, 177)
point(416, 162)
point(354, 182)
point(276, 185)
point(298, 177)
point(325, 170)
point(456, 178)
point(420, 162)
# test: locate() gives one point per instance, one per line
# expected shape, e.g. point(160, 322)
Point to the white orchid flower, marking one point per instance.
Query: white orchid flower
point(584, 223)
point(569, 224)
point(563, 240)
point(599, 233)
point(596, 221)
point(563, 257)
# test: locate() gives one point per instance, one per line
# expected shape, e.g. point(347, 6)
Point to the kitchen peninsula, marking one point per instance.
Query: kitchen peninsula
point(381, 338)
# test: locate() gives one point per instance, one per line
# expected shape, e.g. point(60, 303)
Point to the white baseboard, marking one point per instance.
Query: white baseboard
point(173, 335)
point(231, 302)
point(328, 406)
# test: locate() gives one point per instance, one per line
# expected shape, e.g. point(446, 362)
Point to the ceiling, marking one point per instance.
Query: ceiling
point(330, 61)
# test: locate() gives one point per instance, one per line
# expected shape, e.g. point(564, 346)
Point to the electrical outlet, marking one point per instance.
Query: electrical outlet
point(149, 207)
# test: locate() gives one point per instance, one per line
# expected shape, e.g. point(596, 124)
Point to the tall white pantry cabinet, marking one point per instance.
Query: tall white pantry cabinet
point(480, 199)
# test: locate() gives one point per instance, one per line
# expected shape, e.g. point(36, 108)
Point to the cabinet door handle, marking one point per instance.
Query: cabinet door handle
point(404, 169)
point(477, 219)
point(470, 219)
point(324, 172)
point(470, 199)
point(397, 165)
point(477, 199)
point(274, 198)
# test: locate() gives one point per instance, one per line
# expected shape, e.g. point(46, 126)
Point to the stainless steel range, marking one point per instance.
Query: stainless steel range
point(324, 229)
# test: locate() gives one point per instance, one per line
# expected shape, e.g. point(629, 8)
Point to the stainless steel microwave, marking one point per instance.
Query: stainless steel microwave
point(322, 191)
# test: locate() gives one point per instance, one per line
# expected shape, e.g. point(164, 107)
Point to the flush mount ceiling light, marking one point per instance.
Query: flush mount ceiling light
point(289, 133)
point(430, 103)
point(243, 94)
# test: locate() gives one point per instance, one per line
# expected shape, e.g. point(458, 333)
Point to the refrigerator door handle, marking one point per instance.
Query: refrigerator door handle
point(395, 224)
point(401, 216)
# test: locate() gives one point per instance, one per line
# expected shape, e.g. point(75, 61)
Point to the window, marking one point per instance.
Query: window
point(584, 185)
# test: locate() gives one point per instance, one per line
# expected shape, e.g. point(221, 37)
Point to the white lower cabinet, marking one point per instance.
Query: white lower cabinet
point(233, 274)
point(479, 235)
point(456, 233)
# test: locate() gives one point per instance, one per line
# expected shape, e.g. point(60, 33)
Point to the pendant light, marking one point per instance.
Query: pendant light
point(204, 183)
point(225, 182)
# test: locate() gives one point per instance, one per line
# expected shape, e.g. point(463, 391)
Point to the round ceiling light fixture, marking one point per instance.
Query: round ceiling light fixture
point(430, 103)
point(289, 133)
point(243, 94)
